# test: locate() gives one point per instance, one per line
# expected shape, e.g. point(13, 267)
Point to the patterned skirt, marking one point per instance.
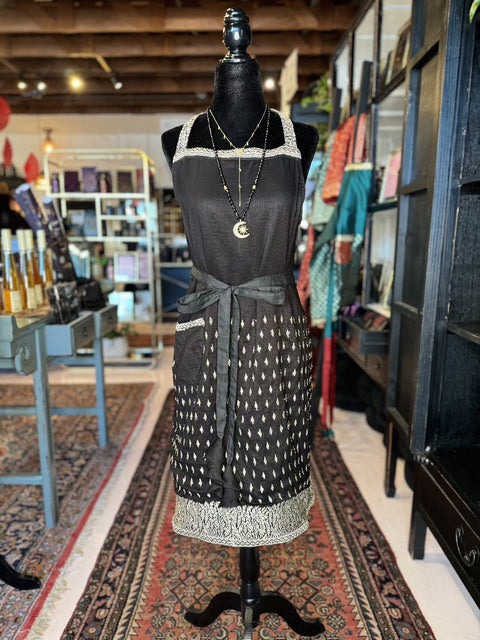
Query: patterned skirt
point(271, 448)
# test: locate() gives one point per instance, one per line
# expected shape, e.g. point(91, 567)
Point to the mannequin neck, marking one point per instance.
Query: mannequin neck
point(238, 101)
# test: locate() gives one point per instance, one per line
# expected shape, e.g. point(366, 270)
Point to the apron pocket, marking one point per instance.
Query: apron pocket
point(188, 350)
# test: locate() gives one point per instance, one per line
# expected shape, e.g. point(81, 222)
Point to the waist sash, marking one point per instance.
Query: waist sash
point(270, 289)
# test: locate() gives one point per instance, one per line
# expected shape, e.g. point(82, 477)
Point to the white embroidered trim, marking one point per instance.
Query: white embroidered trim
point(183, 326)
point(243, 526)
point(288, 148)
point(359, 166)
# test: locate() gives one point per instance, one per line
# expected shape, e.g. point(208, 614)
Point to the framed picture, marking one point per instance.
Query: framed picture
point(124, 267)
point(89, 179)
point(124, 182)
point(143, 265)
point(72, 183)
point(390, 176)
point(385, 285)
point(401, 50)
point(384, 69)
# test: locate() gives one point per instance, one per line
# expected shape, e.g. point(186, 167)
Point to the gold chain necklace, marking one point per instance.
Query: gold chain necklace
point(239, 150)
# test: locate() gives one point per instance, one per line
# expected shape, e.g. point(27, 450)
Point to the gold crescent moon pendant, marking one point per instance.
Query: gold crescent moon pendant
point(240, 230)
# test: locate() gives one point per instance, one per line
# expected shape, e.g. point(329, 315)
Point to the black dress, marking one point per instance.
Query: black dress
point(242, 359)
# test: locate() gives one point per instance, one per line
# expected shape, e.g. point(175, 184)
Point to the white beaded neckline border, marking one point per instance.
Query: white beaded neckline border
point(288, 148)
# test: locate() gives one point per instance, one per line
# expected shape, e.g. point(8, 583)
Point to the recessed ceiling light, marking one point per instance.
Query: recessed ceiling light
point(41, 85)
point(76, 82)
point(21, 84)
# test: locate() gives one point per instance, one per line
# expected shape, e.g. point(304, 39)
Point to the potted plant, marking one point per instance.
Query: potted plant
point(473, 9)
point(115, 342)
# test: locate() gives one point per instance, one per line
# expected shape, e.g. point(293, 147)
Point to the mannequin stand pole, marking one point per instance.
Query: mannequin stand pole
point(16, 579)
point(250, 602)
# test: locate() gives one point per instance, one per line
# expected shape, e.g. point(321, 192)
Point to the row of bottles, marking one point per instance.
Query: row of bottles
point(24, 289)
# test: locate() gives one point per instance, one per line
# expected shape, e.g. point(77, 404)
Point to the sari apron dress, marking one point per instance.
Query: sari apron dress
point(240, 453)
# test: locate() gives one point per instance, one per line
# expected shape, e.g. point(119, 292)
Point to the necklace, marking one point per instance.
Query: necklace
point(239, 150)
point(240, 229)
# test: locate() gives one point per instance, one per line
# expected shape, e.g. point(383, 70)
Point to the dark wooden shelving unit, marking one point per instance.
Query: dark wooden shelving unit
point(434, 377)
point(383, 206)
point(367, 45)
point(468, 330)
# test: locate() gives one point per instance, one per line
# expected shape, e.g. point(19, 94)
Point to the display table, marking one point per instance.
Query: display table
point(62, 343)
point(28, 345)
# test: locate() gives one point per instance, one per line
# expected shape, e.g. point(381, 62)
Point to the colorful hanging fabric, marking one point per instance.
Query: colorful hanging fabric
point(350, 227)
point(303, 283)
point(341, 152)
point(324, 275)
point(329, 364)
point(322, 212)
point(335, 271)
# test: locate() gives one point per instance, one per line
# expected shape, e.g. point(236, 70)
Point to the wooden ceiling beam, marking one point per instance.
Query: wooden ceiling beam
point(117, 104)
point(31, 67)
point(121, 16)
point(121, 46)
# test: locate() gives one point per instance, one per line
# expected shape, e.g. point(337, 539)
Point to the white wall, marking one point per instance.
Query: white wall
point(90, 131)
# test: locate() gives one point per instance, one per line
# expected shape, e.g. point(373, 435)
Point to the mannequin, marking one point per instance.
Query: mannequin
point(22, 581)
point(238, 103)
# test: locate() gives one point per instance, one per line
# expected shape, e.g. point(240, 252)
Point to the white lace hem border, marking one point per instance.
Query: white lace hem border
point(244, 526)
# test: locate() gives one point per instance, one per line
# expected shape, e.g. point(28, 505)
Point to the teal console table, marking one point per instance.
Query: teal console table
point(28, 345)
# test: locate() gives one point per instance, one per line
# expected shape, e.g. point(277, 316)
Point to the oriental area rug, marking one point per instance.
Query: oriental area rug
point(83, 469)
point(341, 570)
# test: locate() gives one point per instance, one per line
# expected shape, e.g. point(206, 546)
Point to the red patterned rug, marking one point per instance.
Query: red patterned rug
point(341, 570)
point(83, 469)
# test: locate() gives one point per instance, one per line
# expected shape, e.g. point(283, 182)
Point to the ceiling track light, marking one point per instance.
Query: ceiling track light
point(269, 83)
point(76, 82)
point(117, 84)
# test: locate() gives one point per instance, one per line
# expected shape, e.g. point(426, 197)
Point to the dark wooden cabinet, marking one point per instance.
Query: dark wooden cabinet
point(434, 373)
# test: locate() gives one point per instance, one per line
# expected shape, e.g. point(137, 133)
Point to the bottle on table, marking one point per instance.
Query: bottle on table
point(44, 264)
point(12, 297)
point(26, 272)
point(32, 261)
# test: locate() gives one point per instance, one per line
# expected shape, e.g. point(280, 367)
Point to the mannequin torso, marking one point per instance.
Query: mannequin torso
point(238, 104)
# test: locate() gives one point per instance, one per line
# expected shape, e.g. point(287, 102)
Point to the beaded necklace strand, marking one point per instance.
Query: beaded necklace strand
point(239, 150)
point(240, 229)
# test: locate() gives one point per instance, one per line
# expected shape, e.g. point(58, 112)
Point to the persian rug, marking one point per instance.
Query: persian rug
point(341, 570)
point(83, 469)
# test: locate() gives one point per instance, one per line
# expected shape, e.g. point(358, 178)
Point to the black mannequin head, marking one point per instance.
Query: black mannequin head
point(237, 97)
point(238, 101)
point(236, 35)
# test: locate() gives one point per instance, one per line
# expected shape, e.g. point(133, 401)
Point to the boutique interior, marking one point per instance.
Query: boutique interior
point(371, 197)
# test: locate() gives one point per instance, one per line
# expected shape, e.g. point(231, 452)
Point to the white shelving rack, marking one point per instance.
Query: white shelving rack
point(140, 166)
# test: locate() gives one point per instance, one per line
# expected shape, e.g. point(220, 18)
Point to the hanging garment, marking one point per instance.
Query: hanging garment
point(242, 358)
point(335, 269)
point(322, 212)
point(350, 227)
point(303, 283)
point(342, 151)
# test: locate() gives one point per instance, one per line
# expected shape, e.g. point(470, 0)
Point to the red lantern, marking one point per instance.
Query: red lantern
point(31, 168)
point(7, 154)
point(4, 113)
